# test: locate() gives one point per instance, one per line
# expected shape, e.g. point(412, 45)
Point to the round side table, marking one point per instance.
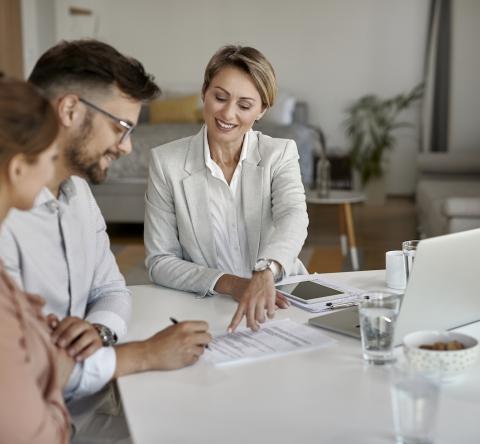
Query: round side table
point(344, 199)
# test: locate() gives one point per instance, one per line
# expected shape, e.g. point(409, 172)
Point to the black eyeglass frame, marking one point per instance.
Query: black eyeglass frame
point(126, 124)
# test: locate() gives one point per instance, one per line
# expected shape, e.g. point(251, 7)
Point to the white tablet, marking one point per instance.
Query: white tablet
point(310, 292)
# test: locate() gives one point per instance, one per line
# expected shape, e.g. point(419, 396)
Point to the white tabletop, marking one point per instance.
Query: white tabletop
point(335, 197)
point(324, 396)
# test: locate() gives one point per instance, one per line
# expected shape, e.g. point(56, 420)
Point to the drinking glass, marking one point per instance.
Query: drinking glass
point(409, 249)
point(378, 314)
point(415, 399)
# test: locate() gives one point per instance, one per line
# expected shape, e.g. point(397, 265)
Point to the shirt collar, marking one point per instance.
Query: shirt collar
point(46, 197)
point(206, 148)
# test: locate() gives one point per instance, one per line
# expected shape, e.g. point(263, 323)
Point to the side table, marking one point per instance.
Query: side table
point(344, 199)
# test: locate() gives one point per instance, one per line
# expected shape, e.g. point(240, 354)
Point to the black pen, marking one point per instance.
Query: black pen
point(174, 321)
point(332, 306)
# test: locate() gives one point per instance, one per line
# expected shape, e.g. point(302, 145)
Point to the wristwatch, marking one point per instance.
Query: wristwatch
point(263, 264)
point(107, 336)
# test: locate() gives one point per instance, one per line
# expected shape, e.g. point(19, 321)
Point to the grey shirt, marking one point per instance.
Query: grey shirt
point(60, 250)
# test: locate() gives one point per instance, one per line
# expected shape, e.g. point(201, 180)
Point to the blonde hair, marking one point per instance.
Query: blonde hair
point(249, 60)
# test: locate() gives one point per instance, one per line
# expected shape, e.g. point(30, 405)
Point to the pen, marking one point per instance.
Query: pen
point(332, 306)
point(175, 322)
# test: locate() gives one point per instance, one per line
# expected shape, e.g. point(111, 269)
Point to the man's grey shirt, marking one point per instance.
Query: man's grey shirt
point(60, 250)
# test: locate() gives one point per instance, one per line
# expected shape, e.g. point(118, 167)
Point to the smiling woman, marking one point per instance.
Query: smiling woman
point(225, 209)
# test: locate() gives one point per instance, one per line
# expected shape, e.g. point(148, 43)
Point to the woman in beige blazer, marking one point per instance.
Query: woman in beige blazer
point(225, 208)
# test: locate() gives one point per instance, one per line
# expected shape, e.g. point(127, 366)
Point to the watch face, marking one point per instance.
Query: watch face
point(262, 264)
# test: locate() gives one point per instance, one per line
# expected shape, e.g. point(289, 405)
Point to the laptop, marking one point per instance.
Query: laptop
point(443, 291)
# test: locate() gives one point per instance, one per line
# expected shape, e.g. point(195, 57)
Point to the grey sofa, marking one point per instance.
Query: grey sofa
point(448, 192)
point(121, 197)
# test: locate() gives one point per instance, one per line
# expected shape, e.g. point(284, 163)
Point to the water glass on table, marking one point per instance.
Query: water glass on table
point(415, 399)
point(409, 249)
point(378, 313)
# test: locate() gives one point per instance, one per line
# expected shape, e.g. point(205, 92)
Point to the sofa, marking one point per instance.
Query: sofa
point(448, 192)
point(121, 196)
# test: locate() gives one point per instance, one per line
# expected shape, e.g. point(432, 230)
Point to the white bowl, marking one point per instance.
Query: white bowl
point(447, 363)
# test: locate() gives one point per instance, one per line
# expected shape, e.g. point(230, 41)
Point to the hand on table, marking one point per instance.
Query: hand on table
point(78, 337)
point(255, 296)
point(177, 346)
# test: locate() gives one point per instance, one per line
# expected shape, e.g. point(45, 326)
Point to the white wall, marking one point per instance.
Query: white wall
point(326, 52)
point(465, 76)
point(38, 30)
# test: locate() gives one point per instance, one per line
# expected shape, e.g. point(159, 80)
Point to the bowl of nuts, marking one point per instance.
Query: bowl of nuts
point(445, 353)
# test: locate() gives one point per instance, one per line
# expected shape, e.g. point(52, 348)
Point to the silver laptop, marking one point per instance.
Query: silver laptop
point(443, 291)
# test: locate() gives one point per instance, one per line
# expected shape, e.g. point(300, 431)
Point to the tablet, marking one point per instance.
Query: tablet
point(310, 292)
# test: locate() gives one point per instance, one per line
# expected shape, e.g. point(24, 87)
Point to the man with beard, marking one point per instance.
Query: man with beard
point(60, 248)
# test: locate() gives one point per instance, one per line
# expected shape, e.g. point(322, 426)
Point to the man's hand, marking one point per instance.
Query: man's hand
point(258, 296)
point(178, 345)
point(78, 337)
point(175, 347)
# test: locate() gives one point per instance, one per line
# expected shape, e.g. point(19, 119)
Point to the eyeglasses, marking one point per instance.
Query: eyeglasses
point(125, 124)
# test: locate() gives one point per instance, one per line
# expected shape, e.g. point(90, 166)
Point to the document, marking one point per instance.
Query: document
point(274, 338)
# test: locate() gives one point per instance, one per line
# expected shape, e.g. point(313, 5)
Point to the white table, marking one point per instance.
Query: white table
point(344, 199)
point(324, 396)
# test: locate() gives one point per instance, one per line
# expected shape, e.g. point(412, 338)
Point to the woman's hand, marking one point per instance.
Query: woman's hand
point(64, 364)
point(255, 296)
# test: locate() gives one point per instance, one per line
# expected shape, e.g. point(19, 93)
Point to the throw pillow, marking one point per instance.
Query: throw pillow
point(178, 109)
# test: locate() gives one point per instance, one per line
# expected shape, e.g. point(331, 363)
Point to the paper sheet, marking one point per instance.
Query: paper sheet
point(274, 338)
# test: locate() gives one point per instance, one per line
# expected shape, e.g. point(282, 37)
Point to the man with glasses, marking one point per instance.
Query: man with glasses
point(60, 249)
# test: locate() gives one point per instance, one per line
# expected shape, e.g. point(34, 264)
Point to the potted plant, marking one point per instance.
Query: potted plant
point(370, 129)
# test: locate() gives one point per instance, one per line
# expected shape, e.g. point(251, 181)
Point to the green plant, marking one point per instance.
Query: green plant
point(369, 127)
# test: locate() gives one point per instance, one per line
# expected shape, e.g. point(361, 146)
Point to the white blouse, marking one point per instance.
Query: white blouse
point(226, 213)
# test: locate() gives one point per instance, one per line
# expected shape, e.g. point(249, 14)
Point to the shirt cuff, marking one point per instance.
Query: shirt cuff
point(211, 291)
point(92, 374)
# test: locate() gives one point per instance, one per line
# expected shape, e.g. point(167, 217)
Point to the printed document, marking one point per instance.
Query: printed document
point(274, 338)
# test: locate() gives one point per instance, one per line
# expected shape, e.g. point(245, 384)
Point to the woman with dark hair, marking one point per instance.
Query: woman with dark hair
point(33, 371)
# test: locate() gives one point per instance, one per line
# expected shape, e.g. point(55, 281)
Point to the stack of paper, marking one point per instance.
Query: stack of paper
point(274, 338)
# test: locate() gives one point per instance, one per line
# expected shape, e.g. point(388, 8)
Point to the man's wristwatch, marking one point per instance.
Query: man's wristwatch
point(107, 336)
point(263, 264)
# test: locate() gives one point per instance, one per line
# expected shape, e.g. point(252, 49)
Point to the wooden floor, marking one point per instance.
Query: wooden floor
point(378, 229)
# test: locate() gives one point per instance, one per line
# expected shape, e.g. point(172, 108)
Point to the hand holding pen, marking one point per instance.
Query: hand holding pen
point(175, 322)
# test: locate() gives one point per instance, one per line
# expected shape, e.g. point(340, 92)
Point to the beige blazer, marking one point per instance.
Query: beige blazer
point(179, 239)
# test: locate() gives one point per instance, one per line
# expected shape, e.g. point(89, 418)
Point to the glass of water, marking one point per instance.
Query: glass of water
point(378, 313)
point(409, 249)
point(415, 399)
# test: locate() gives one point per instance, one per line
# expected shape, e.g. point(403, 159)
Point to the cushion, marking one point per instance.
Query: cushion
point(281, 113)
point(462, 207)
point(454, 162)
point(175, 110)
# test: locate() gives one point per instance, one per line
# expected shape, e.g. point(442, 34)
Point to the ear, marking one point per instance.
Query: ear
point(262, 113)
point(69, 109)
point(16, 170)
